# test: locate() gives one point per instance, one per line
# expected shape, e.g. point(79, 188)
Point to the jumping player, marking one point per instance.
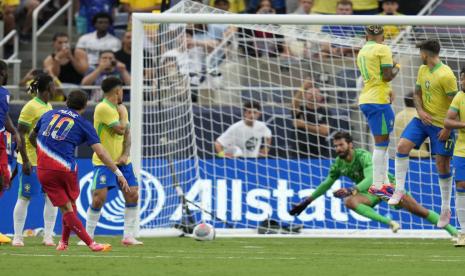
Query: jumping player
point(56, 136)
point(456, 120)
point(377, 68)
point(43, 87)
point(112, 125)
point(356, 164)
point(436, 86)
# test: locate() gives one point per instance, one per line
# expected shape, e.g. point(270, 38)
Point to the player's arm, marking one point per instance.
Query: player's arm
point(23, 130)
point(121, 126)
point(390, 72)
point(123, 159)
point(451, 121)
point(320, 190)
point(389, 67)
point(418, 100)
point(106, 159)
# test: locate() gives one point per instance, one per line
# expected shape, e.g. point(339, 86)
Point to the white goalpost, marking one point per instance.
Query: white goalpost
point(193, 68)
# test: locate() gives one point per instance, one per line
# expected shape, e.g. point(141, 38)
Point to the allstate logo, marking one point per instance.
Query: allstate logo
point(151, 196)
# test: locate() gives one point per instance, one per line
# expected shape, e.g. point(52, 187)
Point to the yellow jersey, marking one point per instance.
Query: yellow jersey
point(371, 60)
point(458, 105)
point(436, 86)
point(324, 6)
point(105, 117)
point(235, 6)
point(363, 5)
point(141, 4)
point(30, 114)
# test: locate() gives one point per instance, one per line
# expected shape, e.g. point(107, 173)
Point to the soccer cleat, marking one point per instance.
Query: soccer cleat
point(460, 241)
point(384, 193)
point(396, 197)
point(4, 239)
point(444, 219)
point(81, 243)
point(394, 226)
point(62, 246)
point(98, 247)
point(48, 241)
point(17, 242)
point(131, 241)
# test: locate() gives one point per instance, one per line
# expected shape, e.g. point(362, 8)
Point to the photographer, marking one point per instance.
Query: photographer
point(107, 66)
point(67, 64)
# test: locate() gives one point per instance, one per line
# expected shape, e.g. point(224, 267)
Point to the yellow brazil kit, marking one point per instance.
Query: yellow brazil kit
point(370, 60)
point(436, 86)
point(458, 105)
point(105, 117)
point(30, 114)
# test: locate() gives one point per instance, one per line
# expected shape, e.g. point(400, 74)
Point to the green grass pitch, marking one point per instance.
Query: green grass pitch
point(240, 257)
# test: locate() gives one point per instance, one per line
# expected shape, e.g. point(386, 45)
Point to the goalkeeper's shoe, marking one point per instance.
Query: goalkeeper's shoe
point(444, 218)
point(384, 193)
point(62, 246)
point(17, 242)
point(100, 247)
point(48, 241)
point(4, 239)
point(394, 226)
point(131, 241)
point(396, 197)
point(460, 241)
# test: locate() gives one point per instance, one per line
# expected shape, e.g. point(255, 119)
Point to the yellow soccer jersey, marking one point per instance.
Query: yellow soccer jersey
point(370, 61)
point(458, 105)
point(436, 85)
point(105, 117)
point(30, 114)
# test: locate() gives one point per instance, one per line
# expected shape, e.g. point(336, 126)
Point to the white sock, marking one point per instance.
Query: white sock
point(93, 217)
point(386, 175)
point(130, 221)
point(446, 191)
point(19, 216)
point(460, 210)
point(401, 169)
point(50, 216)
point(379, 166)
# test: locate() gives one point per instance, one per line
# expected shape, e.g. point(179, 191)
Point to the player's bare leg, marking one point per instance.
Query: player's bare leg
point(130, 216)
point(410, 204)
point(402, 160)
point(99, 196)
point(445, 185)
point(460, 210)
point(72, 223)
point(363, 206)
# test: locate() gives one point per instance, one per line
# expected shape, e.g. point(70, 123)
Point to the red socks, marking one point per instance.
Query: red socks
point(72, 222)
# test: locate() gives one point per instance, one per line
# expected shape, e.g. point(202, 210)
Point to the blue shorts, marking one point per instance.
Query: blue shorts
point(105, 178)
point(459, 167)
point(29, 185)
point(380, 118)
point(416, 131)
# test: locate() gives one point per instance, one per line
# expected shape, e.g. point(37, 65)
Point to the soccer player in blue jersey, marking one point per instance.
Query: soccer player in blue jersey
point(56, 136)
point(5, 124)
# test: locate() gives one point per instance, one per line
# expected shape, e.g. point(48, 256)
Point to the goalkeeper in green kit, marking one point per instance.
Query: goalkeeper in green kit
point(356, 164)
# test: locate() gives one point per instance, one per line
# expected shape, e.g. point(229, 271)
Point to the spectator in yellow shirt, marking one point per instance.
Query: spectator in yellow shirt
point(365, 7)
point(325, 6)
point(235, 6)
point(402, 119)
point(131, 6)
point(390, 7)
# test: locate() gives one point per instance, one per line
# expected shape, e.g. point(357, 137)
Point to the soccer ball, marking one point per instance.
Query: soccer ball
point(204, 232)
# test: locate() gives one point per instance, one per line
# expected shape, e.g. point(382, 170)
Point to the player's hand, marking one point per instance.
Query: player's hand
point(122, 160)
point(392, 96)
point(425, 118)
point(27, 168)
point(18, 140)
point(298, 208)
point(344, 192)
point(123, 184)
point(444, 134)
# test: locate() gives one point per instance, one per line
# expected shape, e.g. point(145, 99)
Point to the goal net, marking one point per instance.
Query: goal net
point(189, 85)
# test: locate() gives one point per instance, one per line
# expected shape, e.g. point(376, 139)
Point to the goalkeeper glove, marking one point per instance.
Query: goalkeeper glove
point(345, 192)
point(298, 208)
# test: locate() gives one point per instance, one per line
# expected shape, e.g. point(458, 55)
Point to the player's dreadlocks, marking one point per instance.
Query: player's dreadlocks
point(40, 84)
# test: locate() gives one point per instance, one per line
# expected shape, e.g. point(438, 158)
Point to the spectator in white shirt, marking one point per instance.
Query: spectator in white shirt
point(99, 40)
point(245, 138)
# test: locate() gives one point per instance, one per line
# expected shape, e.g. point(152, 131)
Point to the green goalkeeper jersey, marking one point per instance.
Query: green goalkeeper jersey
point(360, 171)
